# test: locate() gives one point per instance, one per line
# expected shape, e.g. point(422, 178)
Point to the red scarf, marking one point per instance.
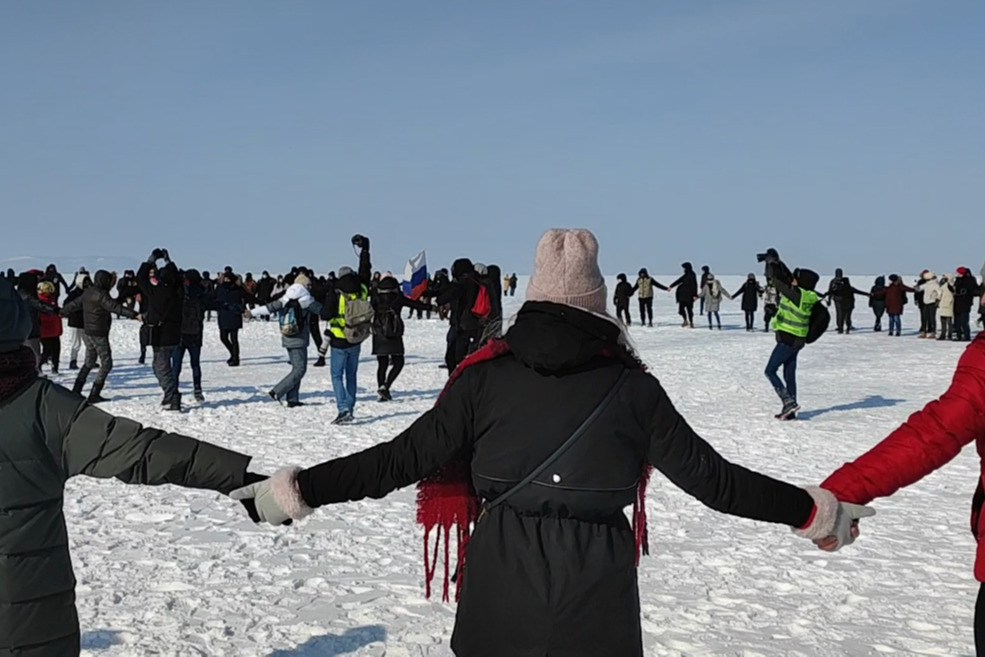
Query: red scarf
point(17, 370)
point(447, 499)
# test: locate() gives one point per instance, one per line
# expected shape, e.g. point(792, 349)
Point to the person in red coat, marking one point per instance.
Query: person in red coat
point(928, 440)
point(51, 326)
point(895, 296)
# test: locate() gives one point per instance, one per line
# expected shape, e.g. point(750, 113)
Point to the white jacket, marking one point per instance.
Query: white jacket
point(931, 290)
point(947, 296)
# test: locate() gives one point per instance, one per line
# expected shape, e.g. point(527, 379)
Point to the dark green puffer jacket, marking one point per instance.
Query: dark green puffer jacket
point(48, 434)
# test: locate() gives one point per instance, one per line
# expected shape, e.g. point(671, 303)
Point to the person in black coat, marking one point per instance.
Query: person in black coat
point(195, 301)
point(265, 291)
point(550, 570)
point(460, 295)
point(231, 301)
point(687, 293)
point(750, 292)
point(966, 293)
point(842, 294)
point(624, 292)
point(163, 318)
point(27, 288)
point(388, 332)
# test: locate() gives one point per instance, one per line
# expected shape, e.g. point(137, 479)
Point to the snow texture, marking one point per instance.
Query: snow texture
point(173, 572)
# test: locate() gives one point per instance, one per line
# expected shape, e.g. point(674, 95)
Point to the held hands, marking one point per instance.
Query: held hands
point(835, 524)
point(276, 500)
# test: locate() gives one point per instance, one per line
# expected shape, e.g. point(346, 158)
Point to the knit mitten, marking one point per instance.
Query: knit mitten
point(833, 519)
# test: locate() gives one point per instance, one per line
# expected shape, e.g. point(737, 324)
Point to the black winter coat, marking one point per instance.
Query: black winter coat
point(624, 291)
point(841, 291)
point(461, 294)
point(965, 294)
point(77, 318)
point(98, 306)
point(265, 290)
point(750, 293)
point(687, 287)
point(163, 303)
point(388, 325)
point(231, 300)
point(552, 571)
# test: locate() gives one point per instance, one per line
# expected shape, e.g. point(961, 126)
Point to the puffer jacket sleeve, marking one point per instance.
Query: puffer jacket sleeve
point(97, 444)
point(929, 439)
point(696, 468)
point(438, 437)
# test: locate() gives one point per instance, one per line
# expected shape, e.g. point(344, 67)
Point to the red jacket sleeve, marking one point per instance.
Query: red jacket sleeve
point(928, 440)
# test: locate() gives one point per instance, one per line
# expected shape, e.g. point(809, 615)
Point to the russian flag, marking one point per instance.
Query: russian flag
point(415, 282)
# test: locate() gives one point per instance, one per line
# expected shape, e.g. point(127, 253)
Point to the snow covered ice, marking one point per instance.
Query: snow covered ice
point(174, 572)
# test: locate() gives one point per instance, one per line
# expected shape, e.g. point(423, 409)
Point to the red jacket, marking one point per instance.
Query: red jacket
point(895, 293)
point(51, 323)
point(928, 440)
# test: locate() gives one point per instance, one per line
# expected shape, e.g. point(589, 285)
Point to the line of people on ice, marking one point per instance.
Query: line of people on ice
point(542, 484)
point(953, 298)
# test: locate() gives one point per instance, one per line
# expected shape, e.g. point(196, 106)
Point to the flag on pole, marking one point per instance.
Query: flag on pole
point(415, 282)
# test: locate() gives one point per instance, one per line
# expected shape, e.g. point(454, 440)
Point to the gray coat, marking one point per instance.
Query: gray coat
point(50, 434)
point(712, 293)
point(301, 340)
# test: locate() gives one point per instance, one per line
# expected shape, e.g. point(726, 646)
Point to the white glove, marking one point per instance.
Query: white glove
point(835, 523)
point(277, 499)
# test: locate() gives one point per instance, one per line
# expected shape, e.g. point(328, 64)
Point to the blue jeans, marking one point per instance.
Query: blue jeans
point(718, 318)
point(345, 364)
point(195, 353)
point(289, 387)
point(786, 356)
point(962, 326)
point(895, 323)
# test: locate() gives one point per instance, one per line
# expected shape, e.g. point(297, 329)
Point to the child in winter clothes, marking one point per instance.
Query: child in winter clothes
point(51, 325)
point(712, 294)
point(946, 306)
point(624, 292)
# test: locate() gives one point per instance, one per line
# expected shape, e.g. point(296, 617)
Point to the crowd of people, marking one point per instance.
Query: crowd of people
point(469, 454)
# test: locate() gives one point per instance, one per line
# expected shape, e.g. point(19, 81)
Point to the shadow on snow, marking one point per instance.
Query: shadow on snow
point(331, 644)
point(872, 401)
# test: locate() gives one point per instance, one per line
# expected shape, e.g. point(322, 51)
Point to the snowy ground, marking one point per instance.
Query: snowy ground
point(171, 572)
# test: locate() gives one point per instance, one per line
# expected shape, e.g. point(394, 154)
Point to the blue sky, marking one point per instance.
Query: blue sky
point(263, 134)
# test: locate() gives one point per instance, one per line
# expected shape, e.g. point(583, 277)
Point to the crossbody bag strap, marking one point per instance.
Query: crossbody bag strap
point(568, 444)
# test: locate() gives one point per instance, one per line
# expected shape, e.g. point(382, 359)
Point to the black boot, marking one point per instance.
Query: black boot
point(95, 395)
point(73, 365)
point(320, 362)
point(199, 397)
point(175, 404)
point(80, 382)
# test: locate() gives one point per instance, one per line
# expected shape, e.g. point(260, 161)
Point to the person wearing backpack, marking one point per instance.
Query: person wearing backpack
point(793, 326)
point(349, 314)
point(194, 304)
point(842, 294)
point(529, 458)
point(292, 309)
point(388, 332)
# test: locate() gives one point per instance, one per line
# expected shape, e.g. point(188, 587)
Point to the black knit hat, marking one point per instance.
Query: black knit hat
point(15, 317)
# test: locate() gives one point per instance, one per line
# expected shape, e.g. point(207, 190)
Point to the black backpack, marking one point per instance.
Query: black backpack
point(390, 324)
point(820, 320)
point(191, 315)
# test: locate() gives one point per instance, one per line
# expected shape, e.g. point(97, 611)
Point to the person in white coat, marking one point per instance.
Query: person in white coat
point(931, 296)
point(712, 294)
point(946, 307)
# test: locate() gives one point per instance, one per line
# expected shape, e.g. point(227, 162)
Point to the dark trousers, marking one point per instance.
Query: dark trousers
point(388, 369)
point(230, 340)
point(843, 317)
point(144, 341)
point(769, 312)
point(750, 320)
point(622, 312)
point(686, 311)
point(786, 356)
point(646, 311)
point(459, 344)
point(878, 313)
point(962, 326)
point(51, 352)
point(947, 328)
point(163, 370)
point(929, 319)
point(194, 349)
point(980, 622)
point(97, 350)
point(315, 329)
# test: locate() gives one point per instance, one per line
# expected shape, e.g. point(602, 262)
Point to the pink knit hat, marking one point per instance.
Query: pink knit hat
point(566, 271)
